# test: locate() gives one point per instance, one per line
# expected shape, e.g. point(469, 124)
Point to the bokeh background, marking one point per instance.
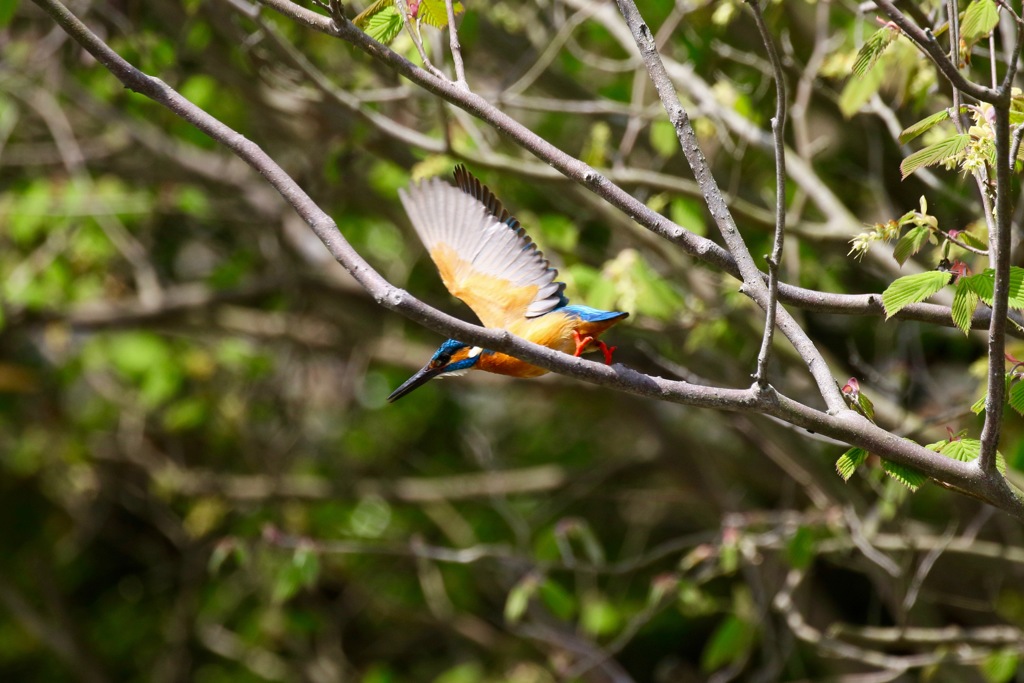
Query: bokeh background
point(200, 479)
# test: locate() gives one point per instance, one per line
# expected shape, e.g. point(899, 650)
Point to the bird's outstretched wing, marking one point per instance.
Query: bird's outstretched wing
point(485, 258)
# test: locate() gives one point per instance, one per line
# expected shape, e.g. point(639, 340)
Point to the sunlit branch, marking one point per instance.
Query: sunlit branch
point(844, 425)
point(775, 258)
point(753, 284)
point(931, 48)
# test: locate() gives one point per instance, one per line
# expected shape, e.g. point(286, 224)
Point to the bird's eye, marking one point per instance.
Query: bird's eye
point(441, 361)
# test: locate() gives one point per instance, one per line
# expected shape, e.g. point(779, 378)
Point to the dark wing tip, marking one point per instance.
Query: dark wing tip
point(472, 186)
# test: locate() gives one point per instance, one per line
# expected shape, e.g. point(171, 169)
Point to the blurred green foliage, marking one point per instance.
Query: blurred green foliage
point(203, 480)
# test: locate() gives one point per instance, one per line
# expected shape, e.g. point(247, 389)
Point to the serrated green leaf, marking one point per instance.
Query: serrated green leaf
point(935, 154)
point(1016, 397)
point(873, 49)
point(849, 461)
point(375, 7)
point(972, 240)
point(434, 13)
point(966, 450)
point(865, 406)
point(979, 20)
point(984, 284)
point(910, 243)
point(384, 26)
point(912, 289)
point(965, 302)
point(923, 126)
point(907, 476)
point(857, 91)
point(963, 450)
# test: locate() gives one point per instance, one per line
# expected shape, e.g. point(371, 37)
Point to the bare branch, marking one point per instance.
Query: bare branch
point(453, 42)
point(753, 284)
point(1000, 259)
point(931, 48)
point(775, 259)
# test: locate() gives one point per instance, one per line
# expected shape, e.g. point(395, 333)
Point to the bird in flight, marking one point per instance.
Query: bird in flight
point(487, 260)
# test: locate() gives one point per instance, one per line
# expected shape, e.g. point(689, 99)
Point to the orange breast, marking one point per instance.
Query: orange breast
point(553, 330)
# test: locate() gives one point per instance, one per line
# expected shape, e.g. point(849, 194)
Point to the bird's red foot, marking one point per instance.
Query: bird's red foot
point(581, 342)
point(607, 351)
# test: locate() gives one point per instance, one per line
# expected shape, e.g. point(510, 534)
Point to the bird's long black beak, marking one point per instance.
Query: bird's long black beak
point(419, 379)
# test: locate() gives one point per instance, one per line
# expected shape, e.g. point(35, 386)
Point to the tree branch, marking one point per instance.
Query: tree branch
point(753, 284)
point(844, 425)
point(775, 259)
point(931, 48)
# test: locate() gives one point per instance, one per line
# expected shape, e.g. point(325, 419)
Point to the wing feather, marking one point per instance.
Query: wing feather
point(483, 255)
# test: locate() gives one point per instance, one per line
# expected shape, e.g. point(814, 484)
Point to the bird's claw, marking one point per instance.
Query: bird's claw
point(582, 342)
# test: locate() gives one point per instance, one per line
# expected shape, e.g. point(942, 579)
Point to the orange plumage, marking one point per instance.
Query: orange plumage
point(486, 259)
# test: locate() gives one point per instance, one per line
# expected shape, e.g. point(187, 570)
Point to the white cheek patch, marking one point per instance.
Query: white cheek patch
point(475, 351)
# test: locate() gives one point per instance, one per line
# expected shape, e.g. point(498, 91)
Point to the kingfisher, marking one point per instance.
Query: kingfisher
point(487, 260)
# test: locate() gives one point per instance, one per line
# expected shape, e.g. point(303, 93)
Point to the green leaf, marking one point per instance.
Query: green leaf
point(801, 548)
point(300, 573)
point(1000, 666)
point(384, 26)
point(979, 406)
point(375, 7)
point(7, 10)
point(923, 126)
point(561, 602)
point(907, 476)
point(663, 138)
point(912, 289)
point(965, 301)
point(984, 284)
point(935, 154)
point(972, 240)
point(599, 617)
point(979, 20)
point(1016, 397)
point(910, 243)
point(857, 91)
point(849, 461)
point(966, 450)
point(729, 643)
point(434, 13)
point(873, 49)
point(519, 598)
point(865, 407)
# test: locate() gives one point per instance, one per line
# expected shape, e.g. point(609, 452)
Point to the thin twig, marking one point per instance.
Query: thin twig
point(845, 424)
point(456, 48)
point(412, 27)
point(775, 258)
point(753, 284)
point(930, 46)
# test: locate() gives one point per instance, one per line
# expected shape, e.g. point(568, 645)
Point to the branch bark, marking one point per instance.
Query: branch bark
point(844, 425)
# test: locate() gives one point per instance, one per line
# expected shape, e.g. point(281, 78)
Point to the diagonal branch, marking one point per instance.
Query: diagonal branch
point(753, 284)
point(845, 425)
point(926, 41)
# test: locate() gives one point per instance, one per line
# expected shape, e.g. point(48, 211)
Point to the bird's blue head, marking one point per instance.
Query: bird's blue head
point(453, 358)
